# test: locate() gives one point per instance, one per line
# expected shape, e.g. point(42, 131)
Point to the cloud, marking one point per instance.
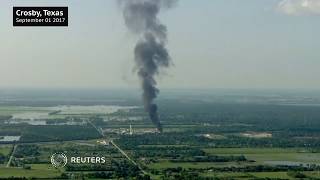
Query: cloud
point(300, 7)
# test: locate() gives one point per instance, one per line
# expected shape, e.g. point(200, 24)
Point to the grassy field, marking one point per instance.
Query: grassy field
point(261, 155)
point(313, 174)
point(282, 175)
point(246, 175)
point(163, 145)
point(10, 110)
point(168, 164)
point(312, 158)
point(36, 171)
point(251, 150)
point(76, 148)
point(5, 149)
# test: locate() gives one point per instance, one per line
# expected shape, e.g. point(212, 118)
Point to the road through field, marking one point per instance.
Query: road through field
point(119, 149)
point(12, 154)
point(126, 155)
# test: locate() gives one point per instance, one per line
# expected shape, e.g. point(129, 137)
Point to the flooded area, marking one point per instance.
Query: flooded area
point(101, 109)
point(9, 138)
point(41, 115)
point(30, 115)
point(44, 122)
point(27, 121)
point(45, 112)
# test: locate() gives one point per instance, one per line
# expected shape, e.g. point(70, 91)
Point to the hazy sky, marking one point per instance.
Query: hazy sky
point(213, 43)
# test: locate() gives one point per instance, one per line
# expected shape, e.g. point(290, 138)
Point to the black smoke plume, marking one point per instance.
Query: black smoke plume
point(150, 53)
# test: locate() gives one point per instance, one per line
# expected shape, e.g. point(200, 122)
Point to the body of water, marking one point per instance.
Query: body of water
point(9, 138)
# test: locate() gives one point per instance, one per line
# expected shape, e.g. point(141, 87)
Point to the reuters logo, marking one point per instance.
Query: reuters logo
point(59, 160)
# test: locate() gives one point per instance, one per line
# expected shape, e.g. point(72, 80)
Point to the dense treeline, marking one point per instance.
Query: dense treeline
point(268, 117)
point(186, 138)
point(182, 154)
point(116, 169)
point(56, 121)
point(259, 168)
point(42, 133)
point(11, 130)
point(4, 118)
point(58, 133)
point(181, 174)
point(88, 167)
point(3, 158)
point(26, 150)
point(131, 142)
point(165, 152)
point(210, 159)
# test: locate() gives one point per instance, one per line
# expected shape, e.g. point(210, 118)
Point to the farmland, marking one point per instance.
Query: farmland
point(37, 170)
point(201, 139)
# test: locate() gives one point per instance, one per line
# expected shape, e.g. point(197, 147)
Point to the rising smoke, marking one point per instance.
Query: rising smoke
point(150, 53)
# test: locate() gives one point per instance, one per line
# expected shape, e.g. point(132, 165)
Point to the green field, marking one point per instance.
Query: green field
point(246, 175)
point(36, 171)
point(185, 143)
point(261, 155)
point(167, 164)
point(282, 175)
point(251, 150)
point(313, 174)
point(5, 149)
point(10, 110)
point(227, 175)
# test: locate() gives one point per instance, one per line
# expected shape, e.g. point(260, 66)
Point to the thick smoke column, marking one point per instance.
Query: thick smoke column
point(150, 53)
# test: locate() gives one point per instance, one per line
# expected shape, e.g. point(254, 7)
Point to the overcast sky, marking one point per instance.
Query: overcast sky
point(213, 43)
